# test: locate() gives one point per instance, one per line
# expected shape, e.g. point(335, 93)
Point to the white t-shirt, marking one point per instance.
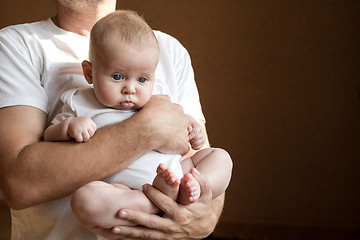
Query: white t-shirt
point(82, 102)
point(38, 62)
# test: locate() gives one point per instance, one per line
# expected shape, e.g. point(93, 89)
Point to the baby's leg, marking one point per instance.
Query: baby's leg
point(215, 164)
point(97, 203)
point(166, 181)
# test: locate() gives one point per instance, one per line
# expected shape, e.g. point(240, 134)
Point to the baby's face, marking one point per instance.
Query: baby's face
point(123, 76)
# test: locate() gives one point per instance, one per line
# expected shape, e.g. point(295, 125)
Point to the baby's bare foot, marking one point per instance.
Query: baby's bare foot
point(166, 181)
point(189, 189)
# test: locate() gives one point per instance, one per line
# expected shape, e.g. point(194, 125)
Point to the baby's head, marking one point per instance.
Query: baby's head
point(123, 57)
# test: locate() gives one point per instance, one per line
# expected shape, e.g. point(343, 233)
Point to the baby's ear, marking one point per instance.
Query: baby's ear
point(87, 70)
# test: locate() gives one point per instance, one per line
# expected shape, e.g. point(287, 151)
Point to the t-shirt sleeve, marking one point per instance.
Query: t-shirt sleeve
point(20, 71)
point(67, 109)
point(184, 88)
point(66, 112)
point(188, 93)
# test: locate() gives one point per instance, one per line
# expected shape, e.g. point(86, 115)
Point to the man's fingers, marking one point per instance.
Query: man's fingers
point(162, 201)
point(163, 96)
point(203, 182)
point(147, 220)
point(107, 233)
point(124, 232)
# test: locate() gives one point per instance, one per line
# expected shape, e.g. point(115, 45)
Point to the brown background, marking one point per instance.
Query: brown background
point(279, 82)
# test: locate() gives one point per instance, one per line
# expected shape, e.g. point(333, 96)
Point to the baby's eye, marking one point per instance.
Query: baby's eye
point(142, 79)
point(117, 77)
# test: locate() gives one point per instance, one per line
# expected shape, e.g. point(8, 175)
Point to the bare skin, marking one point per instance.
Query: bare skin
point(191, 221)
point(167, 182)
point(30, 168)
point(185, 190)
point(95, 204)
point(80, 17)
point(34, 172)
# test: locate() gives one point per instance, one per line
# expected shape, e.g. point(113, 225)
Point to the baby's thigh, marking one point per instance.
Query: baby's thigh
point(194, 161)
point(97, 194)
point(97, 203)
point(187, 164)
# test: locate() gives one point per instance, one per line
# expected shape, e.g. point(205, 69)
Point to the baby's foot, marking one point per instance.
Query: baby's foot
point(166, 181)
point(189, 189)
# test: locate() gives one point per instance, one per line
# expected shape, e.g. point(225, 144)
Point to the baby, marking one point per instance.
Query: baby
point(124, 54)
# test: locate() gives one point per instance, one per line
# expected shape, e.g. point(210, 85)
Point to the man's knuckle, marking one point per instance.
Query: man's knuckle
point(146, 235)
point(166, 204)
point(183, 219)
point(131, 217)
point(152, 223)
point(175, 229)
point(179, 107)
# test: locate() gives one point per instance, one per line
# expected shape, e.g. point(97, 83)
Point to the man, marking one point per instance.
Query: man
point(39, 62)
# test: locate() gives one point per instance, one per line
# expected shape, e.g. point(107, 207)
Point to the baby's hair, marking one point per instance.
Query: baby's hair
point(125, 26)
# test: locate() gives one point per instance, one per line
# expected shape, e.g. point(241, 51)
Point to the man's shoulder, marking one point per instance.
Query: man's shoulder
point(170, 44)
point(24, 29)
point(24, 26)
point(165, 38)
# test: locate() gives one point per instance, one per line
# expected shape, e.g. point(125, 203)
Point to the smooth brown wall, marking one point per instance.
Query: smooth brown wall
point(279, 84)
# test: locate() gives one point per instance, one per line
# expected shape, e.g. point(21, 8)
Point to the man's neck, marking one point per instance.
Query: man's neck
point(81, 18)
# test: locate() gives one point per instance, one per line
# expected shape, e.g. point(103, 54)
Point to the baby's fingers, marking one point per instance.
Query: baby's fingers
point(197, 143)
point(79, 138)
point(86, 136)
point(91, 132)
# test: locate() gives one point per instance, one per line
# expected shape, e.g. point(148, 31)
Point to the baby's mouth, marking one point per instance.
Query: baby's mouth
point(127, 104)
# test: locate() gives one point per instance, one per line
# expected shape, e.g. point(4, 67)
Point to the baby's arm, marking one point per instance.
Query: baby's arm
point(79, 128)
point(197, 136)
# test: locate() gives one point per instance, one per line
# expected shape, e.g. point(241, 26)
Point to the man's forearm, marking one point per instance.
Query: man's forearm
point(33, 172)
point(68, 165)
point(45, 171)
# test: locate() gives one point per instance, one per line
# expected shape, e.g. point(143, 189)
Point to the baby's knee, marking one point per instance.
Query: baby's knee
point(224, 157)
point(85, 201)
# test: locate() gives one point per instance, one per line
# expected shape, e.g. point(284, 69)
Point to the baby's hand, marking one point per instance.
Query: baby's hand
point(81, 128)
point(197, 137)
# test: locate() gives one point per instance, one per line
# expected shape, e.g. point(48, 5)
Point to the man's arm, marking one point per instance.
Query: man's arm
point(33, 172)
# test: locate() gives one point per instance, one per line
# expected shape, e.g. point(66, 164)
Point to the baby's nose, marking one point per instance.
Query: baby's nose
point(129, 88)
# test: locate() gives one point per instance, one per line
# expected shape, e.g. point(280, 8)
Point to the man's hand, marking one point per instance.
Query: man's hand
point(168, 125)
point(193, 221)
